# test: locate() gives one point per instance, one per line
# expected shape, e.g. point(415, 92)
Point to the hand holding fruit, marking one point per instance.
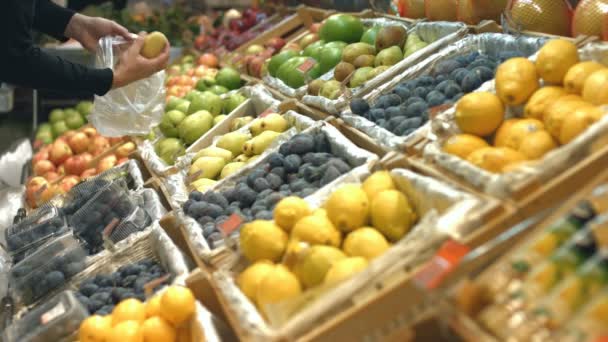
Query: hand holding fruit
point(88, 30)
point(134, 65)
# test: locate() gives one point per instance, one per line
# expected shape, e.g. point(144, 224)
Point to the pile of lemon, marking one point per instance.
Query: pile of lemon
point(304, 248)
point(566, 104)
point(163, 318)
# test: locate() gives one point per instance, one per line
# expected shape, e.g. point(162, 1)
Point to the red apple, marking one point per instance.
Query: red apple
point(79, 142)
point(314, 28)
point(115, 140)
point(68, 134)
point(75, 165)
point(201, 71)
point(125, 150)
point(107, 163)
point(99, 145)
point(61, 170)
point(34, 189)
point(68, 182)
point(49, 192)
point(275, 43)
point(89, 131)
point(51, 176)
point(43, 154)
point(60, 151)
point(88, 173)
point(42, 167)
point(255, 67)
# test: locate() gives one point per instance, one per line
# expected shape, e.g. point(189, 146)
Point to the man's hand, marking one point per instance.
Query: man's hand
point(132, 66)
point(88, 30)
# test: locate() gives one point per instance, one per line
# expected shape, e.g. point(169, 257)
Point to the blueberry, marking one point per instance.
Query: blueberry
point(195, 196)
point(262, 195)
point(285, 148)
point(292, 163)
point(255, 174)
point(140, 283)
point(197, 210)
point(73, 268)
point(376, 114)
point(204, 220)
point(88, 289)
point(117, 294)
point(275, 160)
point(393, 100)
point(330, 174)
point(94, 305)
point(102, 297)
point(416, 109)
point(215, 198)
point(274, 198)
point(392, 112)
point(128, 281)
point(359, 106)
point(435, 98)
point(339, 164)
point(279, 171)
point(440, 78)
point(187, 205)
point(105, 310)
point(127, 295)
point(470, 82)
point(299, 185)
point(420, 92)
point(403, 93)
point(105, 280)
point(284, 187)
point(229, 194)
point(504, 55)
point(246, 196)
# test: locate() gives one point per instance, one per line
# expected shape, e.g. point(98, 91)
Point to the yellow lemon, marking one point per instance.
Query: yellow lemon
point(348, 207)
point(577, 75)
point(129, 310)
point(261, 240)
point(153, 306)
point(574, 124)
point(154, 44)
point(95, 329)
point(462, 145)
point(127, 331)
point(595, 89)
point(289, 210)
point(376, 182)
point(392, 214)
point(479, 113)
point(516, 81)
point(554, 60)
point(178, 305)
point(314, 264)
point(495, 159)
point(278, 285)
point(559, 110)
point(344, 269)
point(316, 230)
point(539, 101)
point(536, 144)
point(156, 329)
point(365, 242)
point(502, 133)
point(250, 278)
point(521, 129)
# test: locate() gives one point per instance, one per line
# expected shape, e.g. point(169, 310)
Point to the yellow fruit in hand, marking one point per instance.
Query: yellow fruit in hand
point(95, 329)
point(261, 240)
point(365, 242)
point(577, 75)
point(392, 215)
point(574, 124)
point(178, 305)
point(344, 269)
point(348, 207)
point(278, 285)
point(502, 133)
point(559, 110)
point(521, 129)
point(127, 331)
point(289, 210)
point(316, 230)
point(156, 329)
point(250, 278)
point(376, 182)
point(312, 266)
point(494, 159)
point(543, 97)
point(129, 310)
point(536, 144)
point(595, 89)
point(462, 145)
point(516, 81)
point(479, 113)
point(554, 60)
point(153, 306)
point(154, 44)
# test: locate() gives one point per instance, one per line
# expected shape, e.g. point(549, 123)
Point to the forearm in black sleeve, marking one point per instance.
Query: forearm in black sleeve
point(51, 19)
point(35, 68)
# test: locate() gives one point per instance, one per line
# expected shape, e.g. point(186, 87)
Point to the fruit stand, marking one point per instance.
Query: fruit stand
point(301, 174)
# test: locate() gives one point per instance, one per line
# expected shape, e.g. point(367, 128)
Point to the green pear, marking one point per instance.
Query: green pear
point(218, 119)
point(360, 76)
point(331, 89)
point(203, 184)
point(194, 126)
point(231, 168)
point(170, 121)
point(214, 152)
point(352, 51)
point(240, 122)
point(206, 167)
point(389, 56)
point(233, 142)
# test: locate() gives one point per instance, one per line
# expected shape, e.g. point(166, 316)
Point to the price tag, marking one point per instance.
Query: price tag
point(307, 65)
point(152, 284)
point(110, 227)
point(434, 111)
point(266, 113)
point(53, 313)
point(231, 224)
point(444, 261)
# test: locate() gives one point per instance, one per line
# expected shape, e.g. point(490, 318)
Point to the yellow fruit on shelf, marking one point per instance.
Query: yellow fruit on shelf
point(392, 215)
point(129, 310)
point(376, 182)
point(127, 331)
point(595, 89)
point(554, 60)
point(462, 145)
point(502, 133)
point(519, 130)
point(316, 230)
point(574, 124)
point(594, 112)
point(153, 306)
point(261, 240)
point(541, 99)
point(348, 207)
point(178, 305)
point(536, 144)
point(250, 278)
point(494, 159)
point(95, 329)
point(365, 242)
point(479, 113)
point(559, 110)
point(278, 285)
point(345, 269)
point(577, 75)
point(312, 266)
point(516, 81)
point(289, 211)
point(156, 329)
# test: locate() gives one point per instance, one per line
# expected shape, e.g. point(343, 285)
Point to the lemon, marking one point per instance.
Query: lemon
point(316, 230)
point(577, 75)
point(539, 101)
point(178, 305)
point(344, 269)
point(594, 112)
point(595, 89)
point(262, 239)
point(574, 124)
point(392, 214)
point(314, 264)
point(154, 44)
point(519, 130)
point(554, 60)
point(502, 133)
point(365, 242)
point(320, 212)
point(129, 310)
point(95, 328)
point(462, 145)
point(495, 159)
point(289, 210)
point(536, 144)
point(559, 110)
point(348, 207)
point(153, 306)
point(378, 181)
point(250, 278)
point(127, 331)
point(278, 285)
point(516, 81)
point(156, 329)
point(479, 113)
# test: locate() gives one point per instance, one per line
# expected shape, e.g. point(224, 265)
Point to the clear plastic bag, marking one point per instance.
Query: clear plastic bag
point(130, 110)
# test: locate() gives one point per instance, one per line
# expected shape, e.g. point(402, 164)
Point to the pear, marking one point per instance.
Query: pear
point(214, 152)
point(389, 36)
point(203, 184)
point(315, 86)
point(252, 159)
point(415, 47)
point(331, 89)
point(218, 119)
point(240, 122)
point(231, 168)
point(206, 167)
point(364, 61)
point(360, 76)
point(257, 145)
point(343, 69)
point(377, 71)
point(241, 158)
point(352, 51)
point(256, 126)
point(389, 56)
point(233, 142)
point(271, 122)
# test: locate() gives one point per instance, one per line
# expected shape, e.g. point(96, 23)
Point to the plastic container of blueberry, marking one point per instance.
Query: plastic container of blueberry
point(309, 161)
point(399, 111)
point(108, 207)
point(54, 320)
point(47, 269)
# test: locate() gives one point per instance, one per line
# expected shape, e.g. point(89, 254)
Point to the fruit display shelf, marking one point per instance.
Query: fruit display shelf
point(326, 312)
point(437, 34)
point(205, 241)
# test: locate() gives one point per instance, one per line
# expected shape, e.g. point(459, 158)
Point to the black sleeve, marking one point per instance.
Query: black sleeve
point(51, 19)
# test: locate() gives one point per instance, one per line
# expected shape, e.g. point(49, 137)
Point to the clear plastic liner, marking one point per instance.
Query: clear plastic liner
point(133, 109)
point(11, 162)
point(11, 199)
